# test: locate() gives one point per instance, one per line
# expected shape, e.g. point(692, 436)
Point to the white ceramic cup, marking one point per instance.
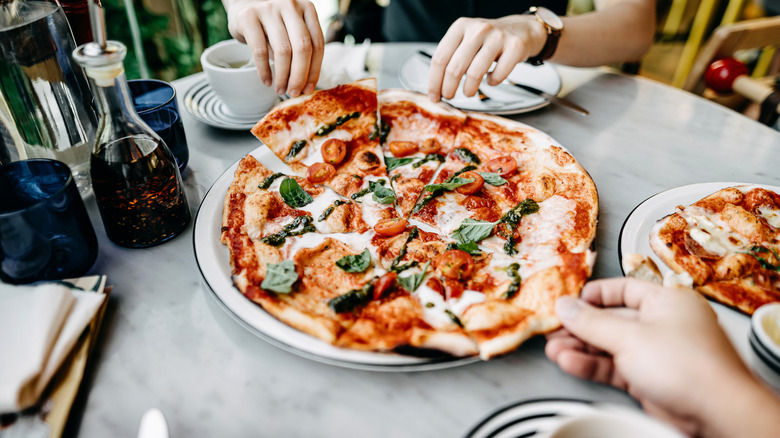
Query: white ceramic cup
point(614, 423)
point(240, 89)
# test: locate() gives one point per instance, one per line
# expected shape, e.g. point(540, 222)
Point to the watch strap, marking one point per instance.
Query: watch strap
point(553, 35)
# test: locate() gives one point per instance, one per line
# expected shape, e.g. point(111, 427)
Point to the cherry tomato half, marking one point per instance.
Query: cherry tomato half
point(402, 148)
point(430, 146)
point(456, 264)
point(472, 187)
point(504, 166)
point(334, 151)
point(384, 284)
point(453, 289)
point(435, 284)
point(320, 172)
point(390, 227)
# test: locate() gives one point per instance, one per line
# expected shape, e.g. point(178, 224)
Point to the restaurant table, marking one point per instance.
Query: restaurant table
point(167, 343)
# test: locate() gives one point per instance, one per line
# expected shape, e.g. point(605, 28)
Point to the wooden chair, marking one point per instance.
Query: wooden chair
point(760, 33)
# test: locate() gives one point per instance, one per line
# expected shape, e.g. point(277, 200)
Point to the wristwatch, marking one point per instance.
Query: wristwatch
point(554, 25)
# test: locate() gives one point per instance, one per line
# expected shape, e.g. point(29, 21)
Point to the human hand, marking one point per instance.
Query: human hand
point(472, 44)
point(663, 346)
point(287, 31)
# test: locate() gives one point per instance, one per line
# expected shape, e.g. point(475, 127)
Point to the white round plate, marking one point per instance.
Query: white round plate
point(529, 418)
point(541, 417)
point(635, 238)
point(505, 99)
point(202, 103)
point(213, 261)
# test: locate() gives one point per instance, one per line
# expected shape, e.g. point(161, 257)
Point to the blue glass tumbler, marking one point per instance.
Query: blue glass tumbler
point(45, 232)
point(155, 102)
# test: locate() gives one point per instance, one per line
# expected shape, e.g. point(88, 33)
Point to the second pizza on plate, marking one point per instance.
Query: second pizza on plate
point(409, 226)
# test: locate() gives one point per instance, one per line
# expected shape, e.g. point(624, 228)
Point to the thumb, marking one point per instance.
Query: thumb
point(594, 326)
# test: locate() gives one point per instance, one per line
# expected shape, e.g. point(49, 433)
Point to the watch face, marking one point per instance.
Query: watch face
point(549, 17)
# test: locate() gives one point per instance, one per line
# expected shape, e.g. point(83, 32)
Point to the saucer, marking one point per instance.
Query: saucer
point(202, 103)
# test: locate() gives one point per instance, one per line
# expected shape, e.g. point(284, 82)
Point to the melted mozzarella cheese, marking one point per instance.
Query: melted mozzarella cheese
point(771, 215)
point(555, 215)
point(434, 307)
point(318, 206)
point(298, 130)
point(450, 214)
point(469, 297)
point(357, 242)
point(713, 235)
point(369, 208)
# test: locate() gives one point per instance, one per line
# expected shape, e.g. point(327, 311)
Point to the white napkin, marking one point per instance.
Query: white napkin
point(342, 64)
point(38, 327)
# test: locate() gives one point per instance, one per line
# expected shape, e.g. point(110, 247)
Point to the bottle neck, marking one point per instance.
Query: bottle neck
point(112, 94)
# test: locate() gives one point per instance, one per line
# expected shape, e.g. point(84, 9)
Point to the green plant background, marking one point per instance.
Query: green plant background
point(170, 42)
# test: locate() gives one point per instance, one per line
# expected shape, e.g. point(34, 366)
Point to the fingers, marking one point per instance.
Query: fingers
point(290, 34)
point(281, 50)
point(480, 66)
point(441, 58)
point(318, 47)
point(511, 55)
point(598, 327)
point(300, 51)
point(254, 37)
point(619, 292)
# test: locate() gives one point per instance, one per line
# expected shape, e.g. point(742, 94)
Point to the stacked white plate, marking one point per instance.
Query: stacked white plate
point(765, 335)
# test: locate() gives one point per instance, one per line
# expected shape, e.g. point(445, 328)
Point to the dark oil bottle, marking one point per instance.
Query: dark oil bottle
point(141, 201)
point(135, 178)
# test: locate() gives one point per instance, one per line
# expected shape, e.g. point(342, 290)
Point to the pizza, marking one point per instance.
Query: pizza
point(725, 245)
point(458, 242)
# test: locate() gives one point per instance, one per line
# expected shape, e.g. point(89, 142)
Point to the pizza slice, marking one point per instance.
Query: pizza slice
point(416, 135)
point(726, 246)
point(329, 136)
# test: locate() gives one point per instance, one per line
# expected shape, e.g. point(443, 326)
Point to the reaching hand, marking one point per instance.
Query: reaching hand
point(665, 347)
point(472, 44)
point(287, 31)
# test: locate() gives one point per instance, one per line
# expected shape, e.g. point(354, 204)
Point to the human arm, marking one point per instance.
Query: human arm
point(664, 347)
point(287, 31)
point(619, 30)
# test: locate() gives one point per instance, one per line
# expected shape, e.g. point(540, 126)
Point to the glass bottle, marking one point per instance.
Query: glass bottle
point(137, 184)
point(44, 91)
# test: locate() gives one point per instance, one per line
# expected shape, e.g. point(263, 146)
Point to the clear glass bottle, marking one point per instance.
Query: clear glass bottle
point(45, 92)
point(137, 184)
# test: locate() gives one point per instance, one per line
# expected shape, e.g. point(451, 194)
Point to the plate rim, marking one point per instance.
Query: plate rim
point(498, 112)
point(200, 239)
point(524, 403)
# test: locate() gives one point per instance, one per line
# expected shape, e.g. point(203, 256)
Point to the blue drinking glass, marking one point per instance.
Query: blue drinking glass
point(155, 102)
point(45, 232)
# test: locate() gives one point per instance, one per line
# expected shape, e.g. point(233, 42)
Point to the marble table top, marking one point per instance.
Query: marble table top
point(167, 343)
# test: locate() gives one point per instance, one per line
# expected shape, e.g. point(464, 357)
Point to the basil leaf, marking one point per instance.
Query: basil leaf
point(467, 156)
point(412, 282)
point(493, 179)
point(293, 194)
point(449, 185)
point(394, 163)
point(383, 195)
point(471, 230)
point(279, 277)
point(470, 247)
point(356, 262)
